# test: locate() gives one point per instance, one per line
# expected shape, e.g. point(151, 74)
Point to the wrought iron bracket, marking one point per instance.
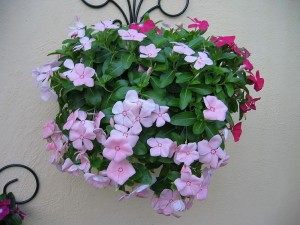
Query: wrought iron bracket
point(134, 7)
point(15, 180)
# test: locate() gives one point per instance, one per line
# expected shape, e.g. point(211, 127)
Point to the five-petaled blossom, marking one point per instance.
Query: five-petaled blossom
point(143, 28)
point(131, 35)
point(106, 24)
point(85, 43)
point(159, 146)
point(128, 133)
point(117, 148)
point(249, 104)
point(200, 61)
point(160, 115)
point(257, 81)
point(82, 75)
point(223, 40)
point(78, 30)
point(186, 153)
point(120, 171)
point(201, 25)
point(216, 109)
point(210, 151)
point(188, 184)
point(149, 51)
point(182, 49)
point(82, 134)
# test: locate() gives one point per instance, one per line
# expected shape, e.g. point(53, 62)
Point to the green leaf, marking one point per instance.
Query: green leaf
point(185, 98)
point(140, 149)
point(211, 130)
point(208, 79)
point(199, 127)
point(196, 43)
point(165, 160)
point(75, 100)
point(157, 95)
point(115, 69)
point(127, 60)
point(183, 77)
point(121, 92)
point(166, 79)
point(93, 96)
point(184, 119)
point(229, 89)
point(173, 175)
point(228, 55)
point(202, 89)
point(229, 119)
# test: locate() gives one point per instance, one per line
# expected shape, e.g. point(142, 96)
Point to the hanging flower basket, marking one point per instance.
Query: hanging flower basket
point(145, 109)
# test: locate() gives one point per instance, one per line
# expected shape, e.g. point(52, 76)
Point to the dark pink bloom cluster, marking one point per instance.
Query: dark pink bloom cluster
point(4, 208)
point(201, 25)
point(143, 27)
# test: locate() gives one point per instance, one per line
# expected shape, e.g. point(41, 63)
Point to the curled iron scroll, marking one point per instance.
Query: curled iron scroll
point(15, 180)
point(134, 7)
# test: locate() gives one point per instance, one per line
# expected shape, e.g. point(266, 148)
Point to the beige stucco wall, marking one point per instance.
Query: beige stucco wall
point(260, 186)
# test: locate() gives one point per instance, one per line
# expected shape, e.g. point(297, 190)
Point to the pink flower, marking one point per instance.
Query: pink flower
point(82, 135)
point(4, 208)
point(78, 30)
point(106, 24)
point(203, 188)
point(130, 134)
point(120, 171)
point(224, 133)
point(47, 92)
point(82, 75)
point(70, 168)
point(224, 162)
point(131, 35)
point(58, 145)
point(149, 51)
point(249, 104)
point(84, 161)
point(216, 109)
point(42, 74)
point(210, 152)
point(132, 97)
point(186, 153)
point(257, 81)
point(223, 40)
point(123, 114)
point(100, 134)
point(201, 60)
point(68, 63)
point(117, 148)
point(237, 131)
point(143, 28)
point(164, 204)
point(85, 43)
point(159, 146)
point(160, 115)
point(96, 180)
point(142, 192)
point(182, 49)
point(188, 184)
point(201, 25)
point(50, 128)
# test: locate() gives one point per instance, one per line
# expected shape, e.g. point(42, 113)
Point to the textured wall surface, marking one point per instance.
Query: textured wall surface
point(260, 185)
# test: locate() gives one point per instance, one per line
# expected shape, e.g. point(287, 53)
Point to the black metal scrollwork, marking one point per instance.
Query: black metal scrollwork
point(134, 9)
point(15, 180)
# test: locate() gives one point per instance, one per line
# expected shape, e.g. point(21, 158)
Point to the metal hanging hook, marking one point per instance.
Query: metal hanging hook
point(134, 7)
point(15, 180)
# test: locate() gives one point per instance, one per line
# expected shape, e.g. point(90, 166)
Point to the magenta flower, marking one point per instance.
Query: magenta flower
point(216, 109)
point(237, 131)
point(160, 115)
point(223, 40)
point(78, 30)
point(85, 43)
point(210, 152)
point(82, 134)
point(143, 28)
point(201, 25)
point(159, 146)
point(82, 75)
point(186, 153)
point(106, 24)
point(249, 104)
point(120, 171)
point(188, 184)
point(247, 65)
point(96, 180)
point(117, 148)
point(257, 81)
point(4, 208)
point(149, 51)
point(182, 49)
point(130, 134)
point(200, 61)
point(131, 35)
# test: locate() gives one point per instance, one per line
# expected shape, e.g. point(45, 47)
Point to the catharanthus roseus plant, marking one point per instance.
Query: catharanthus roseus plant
point(147, 109)
point(10, 214)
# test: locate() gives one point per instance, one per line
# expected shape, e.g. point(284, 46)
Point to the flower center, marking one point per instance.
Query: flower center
point(213, 151)
point(171, 200)
point(120, 170)
point(159, 145)
point(124, 113)
point(212, 109)
point(117, 148)
point(137, 118)
point(82, 121)
point(187, 153)
point(81, 76)
point(125, 134)
point(81, 136)
point(188, 183)
point(159, 114)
